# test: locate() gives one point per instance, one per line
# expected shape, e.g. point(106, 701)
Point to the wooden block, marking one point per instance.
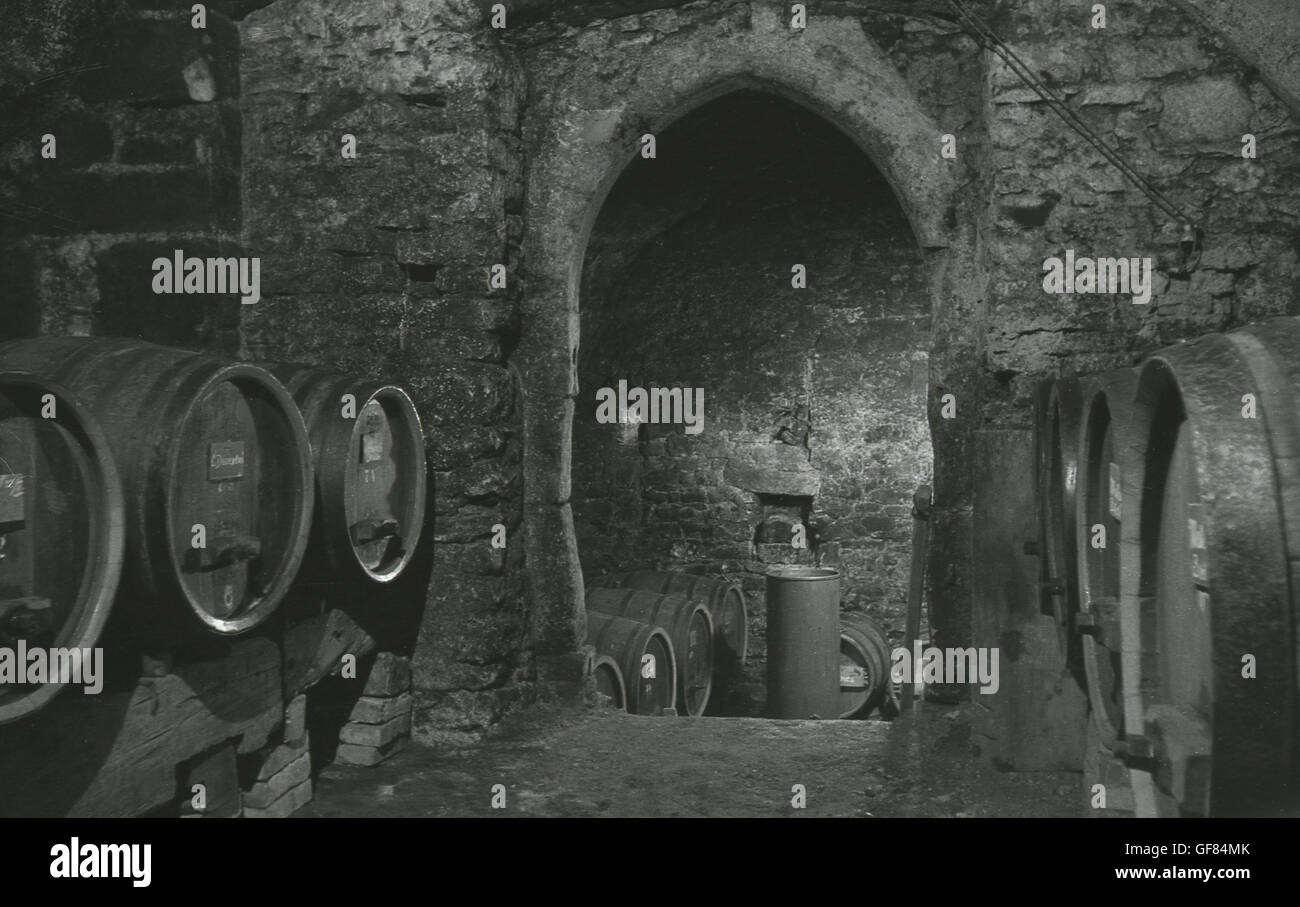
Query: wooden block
point(377, 710)
point(218, 776)
point(314, 647)
point(377, 735)
point(293, 800)
point(115, 754)
point(390, 676)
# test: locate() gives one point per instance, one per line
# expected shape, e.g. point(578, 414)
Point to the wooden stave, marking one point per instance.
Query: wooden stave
point(1109, 397)
point(865, 635)
point(1058, 443)
point(317, 394)
point(652, 608)
point(1280, 403)
point(609, 665)
point(98, 589)
point(1246, 577)
point(144, 430)
point(634, 643)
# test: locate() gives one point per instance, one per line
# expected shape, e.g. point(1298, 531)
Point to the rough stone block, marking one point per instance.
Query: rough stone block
point(389, 676)
point(164, 60)
point(276, 758)
point(264, 794)
point(378, 710)
point(360, 754)
point(295, 720)
point(139, 201)
point(292, 801)
point(376, 735)
point(1208, 109)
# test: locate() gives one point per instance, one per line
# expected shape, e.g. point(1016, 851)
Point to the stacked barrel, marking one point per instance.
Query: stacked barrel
point(636, 620)
point(699, 621)
point(1187, 571)
point(192, 479)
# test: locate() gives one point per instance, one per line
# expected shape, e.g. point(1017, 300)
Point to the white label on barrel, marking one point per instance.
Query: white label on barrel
point(12, 500)
point(1116, 491)
point(372, 447)
point(1196, 545)
point(225, 460)
point(853, 676)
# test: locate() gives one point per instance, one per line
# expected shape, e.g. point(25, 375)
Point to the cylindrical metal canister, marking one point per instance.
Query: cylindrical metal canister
point(803, 642)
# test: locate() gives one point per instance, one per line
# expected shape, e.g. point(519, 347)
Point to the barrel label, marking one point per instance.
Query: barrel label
point(1116, 491)
point(372, 447)
point(853, 677)
point(12, 499)
point(225, 460)
point(1196, 544)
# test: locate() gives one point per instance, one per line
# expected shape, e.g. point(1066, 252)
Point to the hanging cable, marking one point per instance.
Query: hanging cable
point(987, 38)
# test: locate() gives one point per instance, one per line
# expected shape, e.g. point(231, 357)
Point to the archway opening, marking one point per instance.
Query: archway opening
point(761, 262)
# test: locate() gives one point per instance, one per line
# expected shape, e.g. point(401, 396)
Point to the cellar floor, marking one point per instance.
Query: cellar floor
point(606, 763)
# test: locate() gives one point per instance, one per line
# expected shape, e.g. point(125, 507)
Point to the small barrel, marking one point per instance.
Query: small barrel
point(216, 472)
point(645, 656)
point(1057, 453)
point(368, 453)
point(1207, 572)
point(688, 625)
point(724, 599)
point(1104, 457)
point(62, 529)
point(803, 642)
point(864, 665)
point(609, 681)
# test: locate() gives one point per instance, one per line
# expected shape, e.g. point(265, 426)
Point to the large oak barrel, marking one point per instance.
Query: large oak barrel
point(803, 642)
point(216, 471)
point(1105, 455)
point(864, 665)
point(62, 530)
point(609, 681)
point(1058, 451)
point(1210, 703)
point(644, 655)
point(724, 599)
point(368, 452)
point(688, 625)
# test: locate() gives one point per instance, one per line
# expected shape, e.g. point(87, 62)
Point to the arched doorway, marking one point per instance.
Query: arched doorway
point(761, 265)
point(581, 131)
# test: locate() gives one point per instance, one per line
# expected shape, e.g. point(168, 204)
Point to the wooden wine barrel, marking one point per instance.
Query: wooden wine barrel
point(216, 471)
point(651, 683)
point(368, 453)
point(864, 665)
point(725, 601)
point(1058, 451)
point(1204, 573)
point(1104, 457)
point(609, 681)
point(688, 625)
point(62, 528)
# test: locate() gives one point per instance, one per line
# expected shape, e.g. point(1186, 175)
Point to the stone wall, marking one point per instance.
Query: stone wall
point(143, 109)
point(380, 264)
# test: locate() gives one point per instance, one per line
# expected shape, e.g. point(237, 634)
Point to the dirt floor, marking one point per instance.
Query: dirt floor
point(607, 763)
